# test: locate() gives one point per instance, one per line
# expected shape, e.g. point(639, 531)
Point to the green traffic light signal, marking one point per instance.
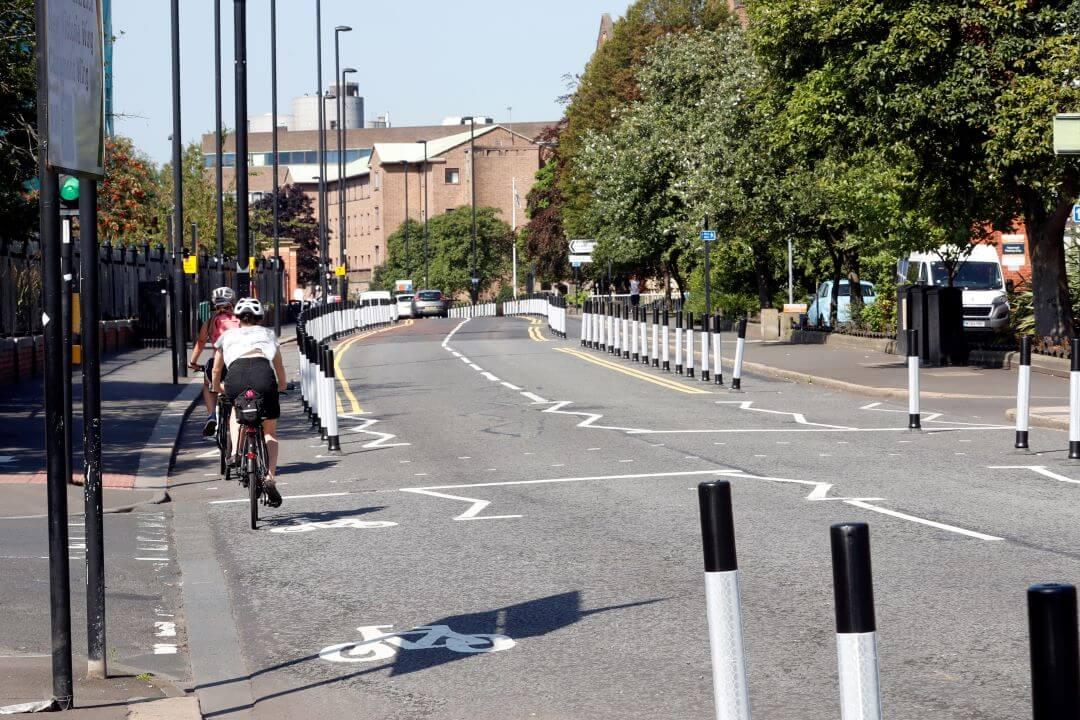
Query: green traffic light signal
point(69, 190)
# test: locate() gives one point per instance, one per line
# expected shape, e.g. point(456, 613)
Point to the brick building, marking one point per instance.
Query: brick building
point(379, 164)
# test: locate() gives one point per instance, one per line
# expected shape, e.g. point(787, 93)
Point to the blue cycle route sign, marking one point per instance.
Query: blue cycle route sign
point(708, 235)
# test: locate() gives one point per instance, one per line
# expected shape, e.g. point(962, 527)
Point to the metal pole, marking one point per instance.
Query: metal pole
point(790, 274)
point(218, 153)
point(171, 292)
point(1055, 659)
point(427, 180)
point(49, 209)
point(475, 277)
point(96, 660)
point(274, 149)
point(405, 167)
point(323, 247)
point(67, 274)
point(513, 204)
point(243, 247)
point(339, 108)
point(179, 342)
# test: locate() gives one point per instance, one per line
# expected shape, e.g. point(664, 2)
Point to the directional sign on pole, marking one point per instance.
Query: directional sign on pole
point(582, 247)
point(708, 235)
point(1076, 214)
point(74, 45)
point(580, 259)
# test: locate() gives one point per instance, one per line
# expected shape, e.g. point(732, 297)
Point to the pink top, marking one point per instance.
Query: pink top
point(219, 324)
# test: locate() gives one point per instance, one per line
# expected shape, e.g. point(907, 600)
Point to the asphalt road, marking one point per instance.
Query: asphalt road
point(529, 509)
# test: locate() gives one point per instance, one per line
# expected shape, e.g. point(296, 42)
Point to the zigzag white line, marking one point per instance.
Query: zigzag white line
point(591, 419)
point(382, 438)
point(799, 418)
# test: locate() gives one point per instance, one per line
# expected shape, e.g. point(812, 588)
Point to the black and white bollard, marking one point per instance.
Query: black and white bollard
point(644, 335)
point(1023, 393)
point(740, 349)
point(706, 339)
point(718, 358)
point(690, 350)
point(333, 441)
point(324, 405)
point(665, 351)
point(602, 327)
point(655, 353)
point(618, 331)
point(856, 627)
point(626, 332)
point(634, 334)
point(1055, 657)
point(1074, 401)
point(724, 612)
point(678, 341)
point(313, 359)
point(914, 415)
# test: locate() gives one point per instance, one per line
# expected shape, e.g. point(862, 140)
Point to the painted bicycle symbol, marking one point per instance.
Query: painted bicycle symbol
point(379, 644)
point(335, 525)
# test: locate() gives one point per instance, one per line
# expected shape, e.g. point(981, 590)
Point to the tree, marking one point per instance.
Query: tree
point(544, 238)
point(449, 251)
point(18, 119)
point(296, 218)
point(966, 90)
point(129, 199)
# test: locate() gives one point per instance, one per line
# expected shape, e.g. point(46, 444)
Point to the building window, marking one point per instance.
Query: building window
point(376, 217)
point(453, 176)
point(378, 180)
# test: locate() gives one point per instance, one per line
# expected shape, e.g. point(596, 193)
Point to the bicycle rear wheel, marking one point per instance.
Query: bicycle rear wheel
point(251, 465)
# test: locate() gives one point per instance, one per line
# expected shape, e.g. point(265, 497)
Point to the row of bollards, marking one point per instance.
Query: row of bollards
point(316, 327)
point(469, 311)
point(624, 331)
point(1052, 623)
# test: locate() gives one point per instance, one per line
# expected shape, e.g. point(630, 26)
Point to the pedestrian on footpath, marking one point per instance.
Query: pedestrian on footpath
point(215, 326)
point(252, 356)
point(635, 291)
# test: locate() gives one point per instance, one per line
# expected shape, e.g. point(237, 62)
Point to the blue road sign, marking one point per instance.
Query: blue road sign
point(708, 235)
point(1076, 214)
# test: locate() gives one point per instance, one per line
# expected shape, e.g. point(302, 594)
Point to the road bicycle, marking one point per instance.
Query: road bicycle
point(254, 457)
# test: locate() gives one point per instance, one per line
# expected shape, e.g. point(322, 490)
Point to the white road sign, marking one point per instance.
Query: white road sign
point(580, 259)
point(74, 45)
point(582, 247)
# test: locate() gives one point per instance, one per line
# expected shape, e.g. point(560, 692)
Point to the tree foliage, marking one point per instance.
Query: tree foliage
point(545, 241)
point(296, 219)
point(449, 251)
point(18, 118)
point(129, 198)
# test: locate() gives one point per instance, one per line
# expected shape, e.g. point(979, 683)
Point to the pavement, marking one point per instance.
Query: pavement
point(142, 415)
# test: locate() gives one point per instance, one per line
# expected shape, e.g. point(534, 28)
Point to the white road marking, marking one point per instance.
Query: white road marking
point(164, 649)
point(536, 399)
point(381, 439)
point(490, 377)
point(285, 497)
point(156, 559)
point(921, 521)
point(476, 367)
point(464, 457)
point(165, 629)
point(799, 418)
point(510, 386)
point(1041, 470)
point(210, 453)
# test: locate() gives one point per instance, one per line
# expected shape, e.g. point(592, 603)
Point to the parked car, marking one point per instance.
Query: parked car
point(381, 297)
point(404, 305)
point(979, 276)
point(427, 303)
point(820, 310)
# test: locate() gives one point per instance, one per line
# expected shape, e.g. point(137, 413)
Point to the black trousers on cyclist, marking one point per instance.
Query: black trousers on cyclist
point(254, 373)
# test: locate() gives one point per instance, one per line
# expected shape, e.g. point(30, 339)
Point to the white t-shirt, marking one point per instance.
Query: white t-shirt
point(634, 287)
point(244, 340)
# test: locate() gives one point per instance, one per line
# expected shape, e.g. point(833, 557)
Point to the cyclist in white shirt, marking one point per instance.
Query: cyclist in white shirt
point(253, 358)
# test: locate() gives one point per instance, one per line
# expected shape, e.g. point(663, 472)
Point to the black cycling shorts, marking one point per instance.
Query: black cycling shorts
point(254, 373)
point(208, 372)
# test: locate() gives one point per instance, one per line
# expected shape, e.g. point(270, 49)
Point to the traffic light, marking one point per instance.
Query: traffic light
point(69, 193)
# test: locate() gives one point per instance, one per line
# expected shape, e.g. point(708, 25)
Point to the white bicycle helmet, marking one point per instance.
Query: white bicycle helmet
point(248, 305)
point(223, 296)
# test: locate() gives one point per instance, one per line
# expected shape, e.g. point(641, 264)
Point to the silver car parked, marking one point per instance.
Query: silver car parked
point(428, 303)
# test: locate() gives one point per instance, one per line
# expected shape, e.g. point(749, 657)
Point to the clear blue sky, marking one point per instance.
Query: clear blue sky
point(420, 60)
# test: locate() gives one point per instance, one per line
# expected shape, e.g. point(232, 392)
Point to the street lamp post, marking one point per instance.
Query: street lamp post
point(339, 109)
point(426, 181)
point(323, 247)
point(179, 342)
point(408, 265)
point(275, 267)
point(218, 170)
point(474, 278)
point(342, 195)
point(243, 248)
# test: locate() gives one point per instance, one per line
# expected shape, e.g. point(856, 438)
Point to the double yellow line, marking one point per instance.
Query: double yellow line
point(647, 377)
point(535, 327)
point(339, 354)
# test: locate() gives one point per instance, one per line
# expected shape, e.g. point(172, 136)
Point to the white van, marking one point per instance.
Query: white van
point(986, 305)
point(381, 297)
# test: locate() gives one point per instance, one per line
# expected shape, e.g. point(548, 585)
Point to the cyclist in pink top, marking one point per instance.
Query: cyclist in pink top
point(222, 320)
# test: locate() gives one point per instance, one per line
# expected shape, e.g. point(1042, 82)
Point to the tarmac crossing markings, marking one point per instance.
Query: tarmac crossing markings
point(1038, 469)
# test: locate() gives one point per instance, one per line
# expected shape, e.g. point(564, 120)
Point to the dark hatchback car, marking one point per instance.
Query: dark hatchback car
point(427, 303)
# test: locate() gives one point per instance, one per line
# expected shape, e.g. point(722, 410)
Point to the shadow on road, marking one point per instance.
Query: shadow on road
point(532, 618)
